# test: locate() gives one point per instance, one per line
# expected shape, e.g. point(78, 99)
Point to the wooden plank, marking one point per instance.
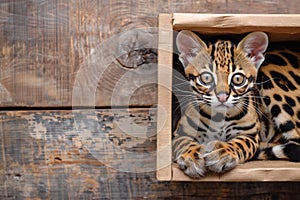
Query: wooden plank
point(44, 44)
point(69, 155)
point(249, 172)
point(164, 135)
point(52, 155)
point(279, 27)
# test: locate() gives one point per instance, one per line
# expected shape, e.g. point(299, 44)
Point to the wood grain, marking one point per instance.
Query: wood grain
point(44, 44)
point(51, 155)
point(164, 109)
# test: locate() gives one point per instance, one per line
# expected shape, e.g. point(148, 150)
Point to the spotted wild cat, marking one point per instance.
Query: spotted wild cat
point(241, 97)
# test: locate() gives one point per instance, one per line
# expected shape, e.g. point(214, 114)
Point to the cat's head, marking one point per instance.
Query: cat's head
point(223, 72)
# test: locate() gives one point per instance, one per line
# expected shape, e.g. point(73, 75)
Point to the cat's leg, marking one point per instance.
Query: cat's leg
point(223, 156)
point(188, 154)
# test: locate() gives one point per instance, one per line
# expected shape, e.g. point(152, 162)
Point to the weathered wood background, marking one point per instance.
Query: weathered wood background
point(60, 54)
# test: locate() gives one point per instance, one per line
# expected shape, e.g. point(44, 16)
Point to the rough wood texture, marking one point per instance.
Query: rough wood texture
point(85, 155)
point(44, 44)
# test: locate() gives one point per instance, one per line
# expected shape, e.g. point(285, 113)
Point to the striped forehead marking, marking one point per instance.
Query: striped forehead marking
point(222, 55)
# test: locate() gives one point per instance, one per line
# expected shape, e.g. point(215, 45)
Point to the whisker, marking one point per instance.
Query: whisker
point(182, 83)
point(265, 81)
point(253, 108)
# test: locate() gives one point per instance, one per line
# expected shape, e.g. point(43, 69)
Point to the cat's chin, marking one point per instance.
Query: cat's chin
point(222, 108)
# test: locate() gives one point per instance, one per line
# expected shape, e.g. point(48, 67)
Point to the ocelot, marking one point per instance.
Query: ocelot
point(239, 97)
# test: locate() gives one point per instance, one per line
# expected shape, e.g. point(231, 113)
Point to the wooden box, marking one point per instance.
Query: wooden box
point(278, 27)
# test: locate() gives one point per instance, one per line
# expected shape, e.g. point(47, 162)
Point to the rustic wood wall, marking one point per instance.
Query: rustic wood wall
point(51, 55)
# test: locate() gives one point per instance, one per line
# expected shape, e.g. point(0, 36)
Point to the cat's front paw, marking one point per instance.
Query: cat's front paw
point(192, 162)
point(219, 157)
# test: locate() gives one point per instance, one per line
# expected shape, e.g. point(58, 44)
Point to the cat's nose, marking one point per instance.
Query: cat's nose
point(222, 97)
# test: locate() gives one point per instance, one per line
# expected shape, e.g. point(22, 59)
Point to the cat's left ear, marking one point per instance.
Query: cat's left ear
point(254, 45)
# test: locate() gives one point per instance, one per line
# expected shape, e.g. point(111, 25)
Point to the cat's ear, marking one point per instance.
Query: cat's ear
point(254, 45)
point(188, 45)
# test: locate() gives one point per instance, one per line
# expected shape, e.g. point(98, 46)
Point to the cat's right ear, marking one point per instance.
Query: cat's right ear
point(188, 45)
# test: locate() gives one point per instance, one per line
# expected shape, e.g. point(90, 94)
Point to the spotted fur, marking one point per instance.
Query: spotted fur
point(238, 99)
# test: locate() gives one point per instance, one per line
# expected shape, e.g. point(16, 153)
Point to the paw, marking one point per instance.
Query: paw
point(219, 158)
point(192, 162)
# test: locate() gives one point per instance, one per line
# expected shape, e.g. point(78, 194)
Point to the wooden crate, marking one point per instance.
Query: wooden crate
point(278, 27)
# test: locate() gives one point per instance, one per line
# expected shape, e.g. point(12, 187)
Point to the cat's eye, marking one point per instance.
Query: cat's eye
point(205, 78)
point(238, 79)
